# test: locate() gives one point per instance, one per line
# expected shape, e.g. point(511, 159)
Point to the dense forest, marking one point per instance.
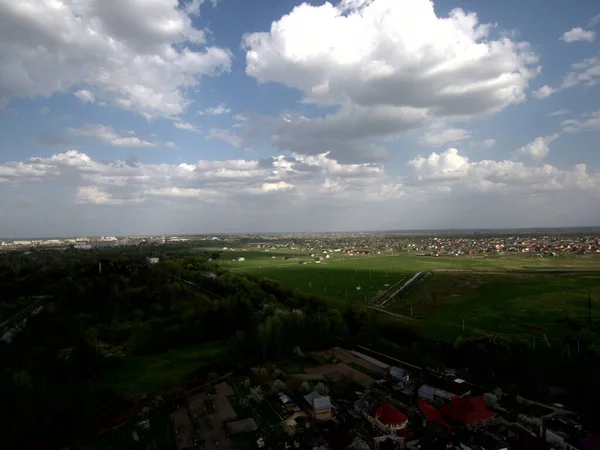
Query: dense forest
point(89, 312)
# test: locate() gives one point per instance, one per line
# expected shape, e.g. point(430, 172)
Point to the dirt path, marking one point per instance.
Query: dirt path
point(346, 357)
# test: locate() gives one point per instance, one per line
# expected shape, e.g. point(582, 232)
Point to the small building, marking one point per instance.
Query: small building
point(152, 260)
point(389, 419)
point(240, 259)
point(399, 374)
point(383, 416)
point(467, 411)
point(431, 394)
point(320, 406)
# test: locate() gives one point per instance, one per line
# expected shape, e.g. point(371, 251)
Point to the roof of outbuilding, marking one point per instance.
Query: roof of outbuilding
point(389, 415)
point(322, 403)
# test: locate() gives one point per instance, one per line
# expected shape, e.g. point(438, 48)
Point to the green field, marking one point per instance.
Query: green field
point(136, 377)
point(521, 303)
point(510, 294)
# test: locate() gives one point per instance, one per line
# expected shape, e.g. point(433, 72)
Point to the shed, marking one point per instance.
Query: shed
point(398, 373)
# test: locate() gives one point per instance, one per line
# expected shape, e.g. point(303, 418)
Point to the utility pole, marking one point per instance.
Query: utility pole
point(589, 310)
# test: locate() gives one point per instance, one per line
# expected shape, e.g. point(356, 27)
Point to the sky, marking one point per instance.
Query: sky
point(122, 117)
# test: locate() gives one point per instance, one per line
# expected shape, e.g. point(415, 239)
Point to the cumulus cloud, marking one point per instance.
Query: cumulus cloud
point(215, 111)
point(85, 96)
point(539, 148)
point(584, 73)
point(560, 112)
point(180, 124)
point(454, 171)
point(588, 122)
point(444, 137)
point(298, 192)
point(578, 34)
point(139, 56)
point(226, 136)
point(108, 135)
point(544, 92)
point(394, 63)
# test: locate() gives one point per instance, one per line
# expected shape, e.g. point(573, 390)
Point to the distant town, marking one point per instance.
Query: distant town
point(350, 243)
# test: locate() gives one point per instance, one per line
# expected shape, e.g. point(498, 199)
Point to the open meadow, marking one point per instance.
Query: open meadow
point(514, 294)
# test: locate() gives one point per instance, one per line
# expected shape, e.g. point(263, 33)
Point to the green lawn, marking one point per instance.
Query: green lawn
point(509, 294)
point(514, 302)
point(135, 377)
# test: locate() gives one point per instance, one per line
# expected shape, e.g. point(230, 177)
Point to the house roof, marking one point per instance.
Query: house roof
point(310, 397)
point(468, 410)
point(322, 403)
point(389, 415)
point(398, 372)
point(432, 414)
point(284, 398)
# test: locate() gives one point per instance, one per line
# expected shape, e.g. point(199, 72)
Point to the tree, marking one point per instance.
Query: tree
point(358, 444)
point(278, 386)
point(322, 388)
point(490, 399)
point(256, 394)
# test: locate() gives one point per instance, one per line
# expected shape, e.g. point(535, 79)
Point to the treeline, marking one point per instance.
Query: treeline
point(113, 303)
point(106, 305)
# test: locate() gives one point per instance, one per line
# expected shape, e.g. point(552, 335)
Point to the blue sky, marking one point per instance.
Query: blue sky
point(149, 116)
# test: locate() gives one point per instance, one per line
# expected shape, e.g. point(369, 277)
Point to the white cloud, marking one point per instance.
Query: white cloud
point(578, 34)
point(457, 172)
point(44, 111)
point(560, 112)
point(489, 143)
point(544, 92)
point(291, 193)
point(445, 137)
point(215, 111)
point(85, 96)
point(192, 7)
point(180, 124)
point(109, 136)
point(394, 63)
point(280, 185)
point(594, 21)
point(140, 56)
point(539, 148)
point(589, 122)
point(96, 196)
point(586, 72)
point(225, 135)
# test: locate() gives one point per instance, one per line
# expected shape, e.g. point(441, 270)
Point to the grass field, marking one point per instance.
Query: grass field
point(136, 377)
point(513, 294)
point(531, 304)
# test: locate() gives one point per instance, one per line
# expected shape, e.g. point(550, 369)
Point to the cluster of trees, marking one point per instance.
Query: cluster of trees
point(111, 302)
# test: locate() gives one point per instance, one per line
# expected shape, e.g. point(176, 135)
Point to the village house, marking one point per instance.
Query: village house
point(398, 374)
point(467, 411)
point(383, 416)
point(320, 406)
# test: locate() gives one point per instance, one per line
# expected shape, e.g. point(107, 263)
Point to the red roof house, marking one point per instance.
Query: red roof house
point(467, 410)
point(390, 416)
point(433, 415)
